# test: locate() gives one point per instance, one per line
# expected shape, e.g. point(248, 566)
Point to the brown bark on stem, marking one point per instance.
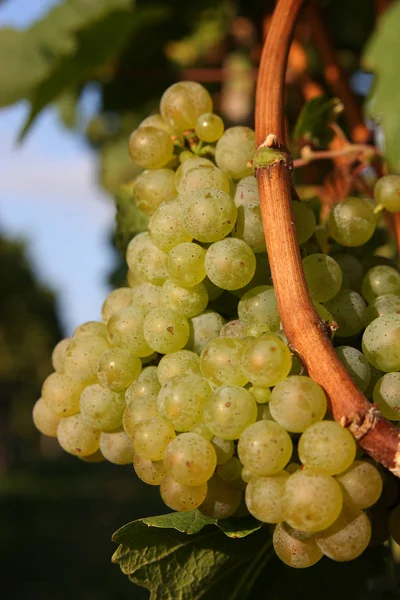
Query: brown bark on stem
point(302, 325)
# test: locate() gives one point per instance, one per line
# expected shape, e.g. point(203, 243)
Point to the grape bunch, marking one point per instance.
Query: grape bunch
point(190, 377)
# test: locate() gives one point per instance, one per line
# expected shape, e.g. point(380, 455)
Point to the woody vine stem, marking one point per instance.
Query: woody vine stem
point(305, 330)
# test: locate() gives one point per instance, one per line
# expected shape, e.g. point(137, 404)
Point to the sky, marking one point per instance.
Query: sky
point(49, 197)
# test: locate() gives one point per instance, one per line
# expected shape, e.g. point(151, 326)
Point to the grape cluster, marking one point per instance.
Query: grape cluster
point(190, 377)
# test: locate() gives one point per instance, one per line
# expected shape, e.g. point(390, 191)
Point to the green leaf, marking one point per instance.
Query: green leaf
point(382, 55)
point(313, 123)
point(156, 554)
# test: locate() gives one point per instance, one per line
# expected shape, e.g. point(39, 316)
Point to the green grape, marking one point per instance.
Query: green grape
point(204, 328)
point(262, 275)
point(221, 361)
point(304, 221)
point(151, 472)
point(265, 448)
point(348, 309)
point(125, 330)
point(190, 459)
point(256, 329)
point(380, 281)
point(146, 260)
point(82, 357)
point(297, 402)
point(323, 313)
point(185, 264)
point(231, 470)
point(182, 103)
point(133, 280)
point(356, 364)
point(267, 360)
point(294, 552)
point(361, 484)
point(166, 228)
point(101, 408)
point(152, 188)
point(209, 127)
point(157, 121)
point(381, 343)
point(191, 162)
point(347, 537)
point(76, 437)
point(259, 304)
point(213, 290)
point(61, 394)
point(203, 177)
point(202, 429)
point(261, 395)
point(182, 497)
point(44, 419)
point(323, 275)
point(182, 362)
point(58, 355)
point(234, 150)
point(264, 497)
point(381, 306)
point(146, 297)
point(209, 214)
point(387, 192)
point(188, 302)
point(352, 222)
point(151, 148)
point(117, 299)
point(249, 227)
point(117, 369)
point(352, 271)
point(230, 263)
point(394, 524)
point(375, 375)
point(387, 395)
point(327, 447)
point(233, 329)
point(116, 447)
point(90, 328)
point(165, 330)
point(181, 400)
point(146, 386)
point(139, 410)
point(229, 410)
point(152, 437)
point(224, 449)
point(312, 501)
point(246, 474)
point(222, 500)
point(247, 191)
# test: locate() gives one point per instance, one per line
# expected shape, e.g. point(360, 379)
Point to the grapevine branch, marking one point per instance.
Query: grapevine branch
point(306, 332)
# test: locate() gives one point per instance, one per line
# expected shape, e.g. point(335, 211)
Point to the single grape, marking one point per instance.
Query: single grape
point(304, 221)
point(261, 395)
point(58, 355)
point(182, 497)
point(356, 364)
point(260, 305)
point(249, 227)
point(352, 222)
point(204, 328)
point(209, 214)
point(117, 299)
point(203, 177)
point(152, 437)
point(348, 309)
point(267, 360)
point(380, 281)
point(189, 162)
point(222, 500)
point(146, 260)
point(82, 357)
point(157, 121)
point(61, 394)
point(118, 369)
point(235, 329)
point(151, 472)
point(165, 330)
point(76, 437)
point(151, 148)
point(190, 459)
point(312, 501)
point(185, 264)
point(90, 328)
point(181, 400)
point(229, 410)
point(387, 395)
point(224, 449)
point(265, 448)
point(347, 537)
point(146, 386)
point(146, 297)
point(352, 271)
point(264, 497)
point(137, 411)
point(323, 275)
point(221, 361)
point(297, 402)
point(294, 552)
point(387, 192)
point(209, 127)
point(152, 188)
point(231, 470)
point(166, 227)
point(327, 447)
point(182, 362)
point(256, 329)
point(125, 330)
point(361, 484)
point(45, 420)
point(188, 302)
point(230, 263)
point(182, 103)
point(247, 191)
point(116, 447)
point(101, 408)
point(381, 343)
point(234, 150)
point(262, 275)
point(381, 306)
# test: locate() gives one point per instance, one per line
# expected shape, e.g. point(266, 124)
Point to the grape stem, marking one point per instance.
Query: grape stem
point(306, 332)
point(309, 155)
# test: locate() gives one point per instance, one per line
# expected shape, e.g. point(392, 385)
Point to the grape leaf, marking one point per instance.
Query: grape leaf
point(157, 555)
point(382, 56)
point(313, 121)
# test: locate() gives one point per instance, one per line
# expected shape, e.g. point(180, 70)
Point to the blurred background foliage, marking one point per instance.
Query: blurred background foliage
point(56, 513)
